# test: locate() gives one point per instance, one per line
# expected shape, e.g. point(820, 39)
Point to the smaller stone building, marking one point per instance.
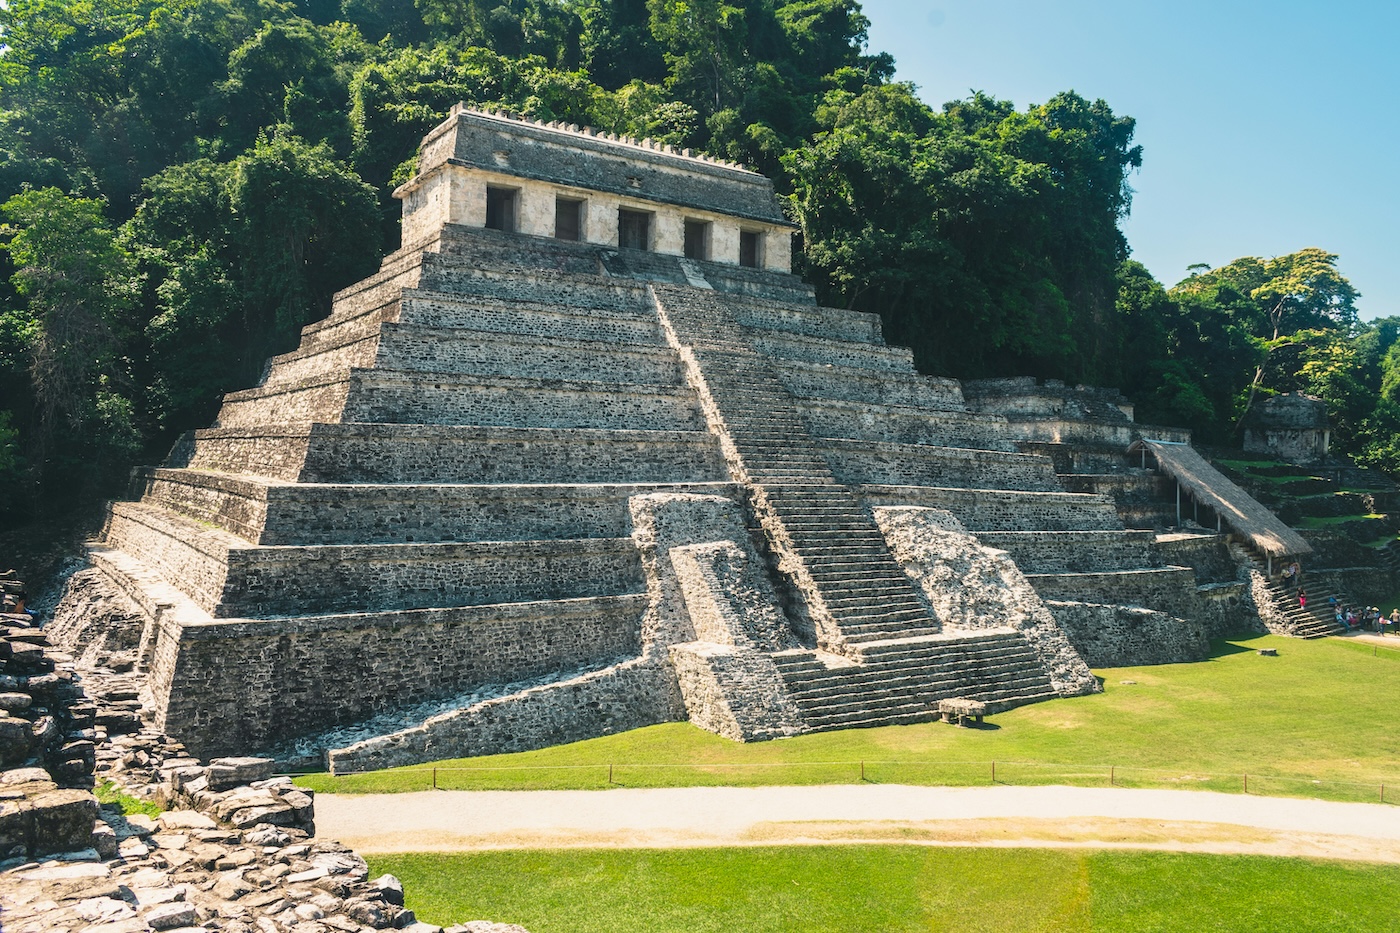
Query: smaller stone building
point(1292, 427)
point(583, 185)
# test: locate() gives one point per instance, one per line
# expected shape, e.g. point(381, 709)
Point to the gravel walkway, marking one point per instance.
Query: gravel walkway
point(712, 816)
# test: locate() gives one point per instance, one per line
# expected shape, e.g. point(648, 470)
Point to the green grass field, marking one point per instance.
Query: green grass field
point(888, 889)
point(1318, 720)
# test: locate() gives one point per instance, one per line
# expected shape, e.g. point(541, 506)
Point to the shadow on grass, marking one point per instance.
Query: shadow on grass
point(1224, 647)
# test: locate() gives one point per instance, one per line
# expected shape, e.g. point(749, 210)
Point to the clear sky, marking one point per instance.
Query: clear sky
point(1266, 127)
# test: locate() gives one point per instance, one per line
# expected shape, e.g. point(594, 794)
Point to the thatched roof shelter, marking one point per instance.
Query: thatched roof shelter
point(1236, 508)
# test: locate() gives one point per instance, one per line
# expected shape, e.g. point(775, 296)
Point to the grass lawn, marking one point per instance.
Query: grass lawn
point(1327, 521)
point(893, 888)
point(1322, 711)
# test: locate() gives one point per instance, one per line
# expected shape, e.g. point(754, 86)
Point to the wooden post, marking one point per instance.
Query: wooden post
point(610, 774)
point(994, 772)
point(435, 779)
point(862, 771)
point(1111, 769)
point(1246, 783)
point(1196, 510)
point(1178, 504)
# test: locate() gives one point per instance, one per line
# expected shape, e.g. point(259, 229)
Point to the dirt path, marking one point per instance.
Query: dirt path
point(997, 816)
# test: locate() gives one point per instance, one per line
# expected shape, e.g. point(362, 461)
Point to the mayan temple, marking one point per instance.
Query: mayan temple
point(584, 455)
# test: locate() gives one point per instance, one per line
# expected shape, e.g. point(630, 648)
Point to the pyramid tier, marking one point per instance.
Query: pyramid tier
point(901, 424)
point(875, 358)
point(815, 380)
point(387, 396)
point(482, 352)
point(404, 453)
point(228, 578)
point(1167, 589)
point(1075, 551)
point(235, 685)
point(807, 320)
point(880, 463)
point(1004, 509)
point(275, 512)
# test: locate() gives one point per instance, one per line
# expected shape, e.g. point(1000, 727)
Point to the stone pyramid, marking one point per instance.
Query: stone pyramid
point(585, 456)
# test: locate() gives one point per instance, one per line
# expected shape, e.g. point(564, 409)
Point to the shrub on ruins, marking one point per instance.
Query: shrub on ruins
point(985, 237)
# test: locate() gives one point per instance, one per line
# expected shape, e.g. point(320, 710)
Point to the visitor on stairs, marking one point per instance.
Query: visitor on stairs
point(1288, 577)
point(1303, 600)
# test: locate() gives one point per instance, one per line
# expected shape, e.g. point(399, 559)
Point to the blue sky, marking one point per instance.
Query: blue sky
point(1266, 127)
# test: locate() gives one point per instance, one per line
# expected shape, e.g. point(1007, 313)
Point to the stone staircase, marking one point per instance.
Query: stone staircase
point(1318, 620)
point(855, 590)
point(899, 682)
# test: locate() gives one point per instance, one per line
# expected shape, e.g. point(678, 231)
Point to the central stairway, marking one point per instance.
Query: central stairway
point(882, 658)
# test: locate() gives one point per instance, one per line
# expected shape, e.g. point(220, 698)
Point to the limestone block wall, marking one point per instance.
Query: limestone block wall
point(982, 510)
point(727, 598)
point(973, 587)
point(1229, 609)
point(1207, 554)
point(666, 525)
point(179, 551)
point(339, 578)
point(307, 513)
point(635, 693)
point(234, 504)
point(855, 354)
point(435, 350)
point(735, 692)
point(249, 684)
point(1027, 396)
point(430, 309)
point(904, 425)
point(1075, 551)
point(813, 321)
point(856, 384)
point(317, 398)
point(1167, 589)
point(499, 454)
point(379, 396)
point(1123, 636)
point(862, 463)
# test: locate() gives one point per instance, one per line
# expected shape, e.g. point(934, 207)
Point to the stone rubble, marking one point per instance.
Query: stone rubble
point(235, 849)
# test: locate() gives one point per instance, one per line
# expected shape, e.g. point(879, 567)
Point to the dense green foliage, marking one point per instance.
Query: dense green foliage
point(1147, 724)
point(893, 888)
point(185, 183)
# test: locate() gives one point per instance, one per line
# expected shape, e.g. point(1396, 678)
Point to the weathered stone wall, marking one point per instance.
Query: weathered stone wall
point(275, 514)
point(735, 692)
point(865, 463)
point(895, 424)
point(1168, 589)
point(229, 579)
point(972, 587)
point(384, 397)
point(1292, 426)
point(1075, 551)
point(247, 684)
point(1208, 555)
point(662, 523)
point(1124, 636)
point(475, 454)
point(640, 692)
point(982, 510)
